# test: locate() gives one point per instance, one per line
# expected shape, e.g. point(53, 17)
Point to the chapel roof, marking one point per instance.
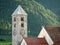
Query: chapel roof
point(54, 32)
point(35, 41)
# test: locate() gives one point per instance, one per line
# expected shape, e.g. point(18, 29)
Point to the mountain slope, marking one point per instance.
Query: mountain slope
point(51, 4)
point(38, 15)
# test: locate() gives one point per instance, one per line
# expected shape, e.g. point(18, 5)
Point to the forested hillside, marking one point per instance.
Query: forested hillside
point(39, 13)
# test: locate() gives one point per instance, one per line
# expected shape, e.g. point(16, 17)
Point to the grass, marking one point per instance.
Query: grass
point(5, 43)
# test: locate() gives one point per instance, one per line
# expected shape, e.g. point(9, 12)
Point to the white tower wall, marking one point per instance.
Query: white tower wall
point(19, 25)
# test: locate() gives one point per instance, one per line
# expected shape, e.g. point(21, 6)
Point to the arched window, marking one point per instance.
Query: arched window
point(14, 25)
point(22, 18)
point(22, 24)
point(14, 32)
point(22, 32)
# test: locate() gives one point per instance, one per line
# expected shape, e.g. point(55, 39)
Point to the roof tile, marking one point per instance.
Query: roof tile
point(35, 41)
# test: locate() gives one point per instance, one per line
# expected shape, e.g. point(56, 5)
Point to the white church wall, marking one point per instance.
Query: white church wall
point(48, 39)
point(14, 31)
point(23, 42)
point(42, 33)
point(17, 33)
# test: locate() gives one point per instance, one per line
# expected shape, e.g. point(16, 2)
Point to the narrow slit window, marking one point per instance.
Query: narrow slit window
point(22, 24)
point(14, 25)
point(14, 18)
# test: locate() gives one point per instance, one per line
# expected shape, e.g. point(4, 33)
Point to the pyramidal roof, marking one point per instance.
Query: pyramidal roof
point(19, 10)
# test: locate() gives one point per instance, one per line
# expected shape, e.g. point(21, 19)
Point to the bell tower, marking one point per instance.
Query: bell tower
point(19, 25)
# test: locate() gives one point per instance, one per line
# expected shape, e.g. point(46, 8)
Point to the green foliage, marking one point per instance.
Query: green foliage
point(38, 15)
point(5, 25)
point(5, 43)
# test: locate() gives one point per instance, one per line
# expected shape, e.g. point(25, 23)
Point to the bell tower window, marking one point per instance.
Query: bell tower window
point(14, 25)
point(22, 24)
point(22, 18)
point(14, 18)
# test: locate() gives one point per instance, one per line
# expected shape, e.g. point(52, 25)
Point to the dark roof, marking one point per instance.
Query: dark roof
point(35, 41)
point(54, 32)
point(57, 43)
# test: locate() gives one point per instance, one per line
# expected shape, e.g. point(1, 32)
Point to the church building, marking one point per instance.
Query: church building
point(49, 35)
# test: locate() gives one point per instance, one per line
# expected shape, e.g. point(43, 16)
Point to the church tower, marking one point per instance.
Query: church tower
point(19, 25)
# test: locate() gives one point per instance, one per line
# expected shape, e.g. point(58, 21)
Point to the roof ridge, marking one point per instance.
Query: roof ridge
point(19, 10)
